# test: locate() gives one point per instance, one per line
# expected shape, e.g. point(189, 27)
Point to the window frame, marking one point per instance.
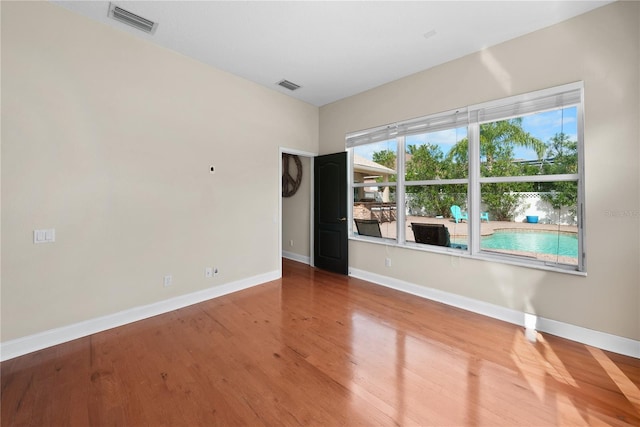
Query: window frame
point(472, 117)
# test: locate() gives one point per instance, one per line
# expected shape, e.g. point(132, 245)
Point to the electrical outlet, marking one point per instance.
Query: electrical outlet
point(168, 280)
point(291, 243)
point(208, 272)
point(215, 271)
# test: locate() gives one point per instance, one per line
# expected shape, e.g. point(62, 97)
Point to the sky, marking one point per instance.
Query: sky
point(541, 125)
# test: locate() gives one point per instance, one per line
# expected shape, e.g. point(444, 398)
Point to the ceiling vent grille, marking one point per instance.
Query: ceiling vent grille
point(288, 85)
point(126, 17)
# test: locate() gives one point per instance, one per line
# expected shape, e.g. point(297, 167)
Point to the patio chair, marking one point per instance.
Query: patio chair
point(431, 234)
point(457, 214)
point(368, 227)
point(484, 216)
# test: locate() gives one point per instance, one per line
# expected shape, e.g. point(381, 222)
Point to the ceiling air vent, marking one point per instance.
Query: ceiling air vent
point(124, 16)
point(288, 85)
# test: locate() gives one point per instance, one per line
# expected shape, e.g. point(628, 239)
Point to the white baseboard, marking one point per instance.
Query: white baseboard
point(296, 257)
point(603, 340)
point(28, 344)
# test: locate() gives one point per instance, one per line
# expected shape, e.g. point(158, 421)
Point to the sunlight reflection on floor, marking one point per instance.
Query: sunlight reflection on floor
point(554, 365)
point(548, 363)
point(569, 414)
point(408, 368)
point(534, 374)
point(626, 386)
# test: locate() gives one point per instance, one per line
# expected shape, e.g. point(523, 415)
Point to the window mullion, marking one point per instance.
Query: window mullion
point(529, 178)
point(439, 181)
point(350, 195)
point(581, 212)
point(400, 192)
point(473, 190)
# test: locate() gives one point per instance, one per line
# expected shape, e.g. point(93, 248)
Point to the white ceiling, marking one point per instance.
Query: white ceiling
point(333, 49)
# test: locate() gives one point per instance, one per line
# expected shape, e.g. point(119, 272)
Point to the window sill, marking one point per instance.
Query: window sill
point(466, 254)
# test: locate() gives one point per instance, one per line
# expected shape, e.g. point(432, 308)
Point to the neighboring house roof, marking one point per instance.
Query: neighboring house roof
point(360, 164)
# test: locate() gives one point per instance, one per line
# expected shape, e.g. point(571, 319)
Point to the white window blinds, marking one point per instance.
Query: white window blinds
point(447, 120)
point(535, 102)
point(503, 109)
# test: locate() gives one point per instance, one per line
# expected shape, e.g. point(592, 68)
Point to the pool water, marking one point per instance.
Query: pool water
point(539, 242)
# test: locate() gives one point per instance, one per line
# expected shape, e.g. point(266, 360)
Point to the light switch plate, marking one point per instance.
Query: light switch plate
point(44, 236)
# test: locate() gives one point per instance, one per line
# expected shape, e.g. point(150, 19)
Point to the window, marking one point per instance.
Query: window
point(435, 180)
point(374, 186)
point(500, 181)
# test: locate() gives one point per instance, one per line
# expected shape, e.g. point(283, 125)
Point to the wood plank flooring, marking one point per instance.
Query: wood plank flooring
point(319, 349)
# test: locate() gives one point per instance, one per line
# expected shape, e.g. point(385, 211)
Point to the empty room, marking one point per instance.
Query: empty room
point(320, 213)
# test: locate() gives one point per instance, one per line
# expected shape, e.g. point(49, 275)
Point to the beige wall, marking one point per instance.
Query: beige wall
point(600, 48)
point(108, 139)
point(296, 214)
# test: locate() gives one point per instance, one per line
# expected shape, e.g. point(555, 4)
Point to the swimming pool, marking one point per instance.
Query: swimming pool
point(564, 244)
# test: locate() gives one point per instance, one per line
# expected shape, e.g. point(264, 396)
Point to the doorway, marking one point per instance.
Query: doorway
point(296, 211)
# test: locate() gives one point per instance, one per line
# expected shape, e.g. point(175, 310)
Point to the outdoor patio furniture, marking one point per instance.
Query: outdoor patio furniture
point(368, 227)
point(431, 234)
point(384, 212)
point(484, 216)
point(458, 215)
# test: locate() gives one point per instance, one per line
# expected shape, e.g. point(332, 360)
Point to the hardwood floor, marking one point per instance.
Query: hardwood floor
point(315, 348)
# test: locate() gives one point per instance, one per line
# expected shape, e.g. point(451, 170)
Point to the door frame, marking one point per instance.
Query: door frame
point(311, 156)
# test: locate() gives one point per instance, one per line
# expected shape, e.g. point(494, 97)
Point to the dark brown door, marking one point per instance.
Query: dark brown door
point(330, 213)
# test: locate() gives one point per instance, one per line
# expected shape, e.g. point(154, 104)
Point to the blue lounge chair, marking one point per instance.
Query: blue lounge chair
point(457, 214)
point(484, 216)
